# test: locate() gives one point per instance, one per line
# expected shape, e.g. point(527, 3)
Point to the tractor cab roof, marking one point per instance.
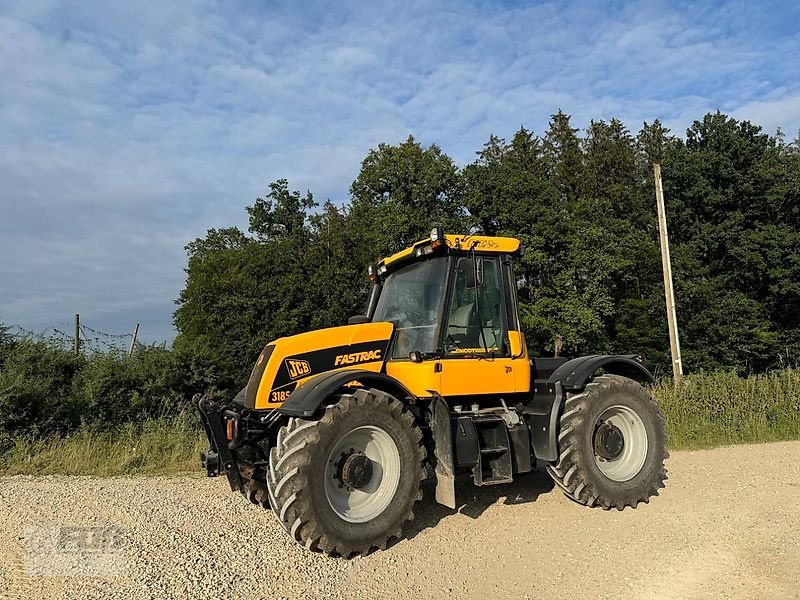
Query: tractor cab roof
point(439, 242)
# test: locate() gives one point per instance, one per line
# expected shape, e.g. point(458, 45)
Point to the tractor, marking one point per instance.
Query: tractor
point(337, 429)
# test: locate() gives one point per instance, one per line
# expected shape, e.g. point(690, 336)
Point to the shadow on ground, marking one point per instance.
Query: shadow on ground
point(472, 501)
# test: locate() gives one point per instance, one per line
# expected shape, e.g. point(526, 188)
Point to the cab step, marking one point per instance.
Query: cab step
point(494, 459)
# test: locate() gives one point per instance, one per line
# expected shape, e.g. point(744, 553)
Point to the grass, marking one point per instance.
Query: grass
point(716, 409)
point(705, 410)
point(162, 446)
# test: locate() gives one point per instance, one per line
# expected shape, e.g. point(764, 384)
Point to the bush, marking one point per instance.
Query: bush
point(36, 381)
point(45, 390)
point(159, 446)
point(710, 409)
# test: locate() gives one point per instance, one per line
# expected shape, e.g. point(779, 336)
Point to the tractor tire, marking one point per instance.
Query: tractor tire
point(347, 482)
point(256, 492)
point(612, 445)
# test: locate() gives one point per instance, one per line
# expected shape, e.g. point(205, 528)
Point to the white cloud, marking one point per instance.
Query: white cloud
point(128, 129)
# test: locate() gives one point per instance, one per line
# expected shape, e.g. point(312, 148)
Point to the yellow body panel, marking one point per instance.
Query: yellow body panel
point(522, 363)
point(469, 376)
point(360, 346)
point(420, 378)
point(480, 243)
point(463, 376)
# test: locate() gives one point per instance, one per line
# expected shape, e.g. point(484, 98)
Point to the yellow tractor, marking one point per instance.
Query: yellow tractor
point(336, 428)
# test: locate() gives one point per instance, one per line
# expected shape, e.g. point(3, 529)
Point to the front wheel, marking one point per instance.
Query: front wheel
point(612, 445)
point(347, 482)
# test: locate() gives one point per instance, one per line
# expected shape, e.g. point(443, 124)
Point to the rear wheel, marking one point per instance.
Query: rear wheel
point(612, 445)
point(347, 482)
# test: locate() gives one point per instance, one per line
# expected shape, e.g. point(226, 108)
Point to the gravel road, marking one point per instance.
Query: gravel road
point(727, 526)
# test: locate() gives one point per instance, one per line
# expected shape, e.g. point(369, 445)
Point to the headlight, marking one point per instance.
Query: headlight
point(437, 237)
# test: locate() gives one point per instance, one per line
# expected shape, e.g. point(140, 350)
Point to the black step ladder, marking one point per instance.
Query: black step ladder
point(494, 459)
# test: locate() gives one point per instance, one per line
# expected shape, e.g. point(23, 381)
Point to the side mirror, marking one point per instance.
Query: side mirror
point(415, 356)
point(473, 277)
point(358, 320)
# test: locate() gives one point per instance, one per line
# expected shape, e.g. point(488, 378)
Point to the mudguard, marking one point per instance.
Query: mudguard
point(306, 400)
point(575, 374)
point(439, 421)
point(543, 412)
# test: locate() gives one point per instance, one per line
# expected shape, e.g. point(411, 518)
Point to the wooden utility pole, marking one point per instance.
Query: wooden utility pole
point(666, 266)
point(133, 341)
point(77, 341)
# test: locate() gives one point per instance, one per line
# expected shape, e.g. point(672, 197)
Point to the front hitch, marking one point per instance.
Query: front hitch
point(219, 458)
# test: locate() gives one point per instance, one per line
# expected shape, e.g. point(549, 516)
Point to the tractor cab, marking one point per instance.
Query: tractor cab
point(452, 300)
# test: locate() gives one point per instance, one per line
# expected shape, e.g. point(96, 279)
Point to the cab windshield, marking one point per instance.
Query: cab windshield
point(411, 298)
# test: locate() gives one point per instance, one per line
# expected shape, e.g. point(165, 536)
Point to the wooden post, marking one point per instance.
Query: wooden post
point(666, 265)
point(133, 341)
point(77, 341)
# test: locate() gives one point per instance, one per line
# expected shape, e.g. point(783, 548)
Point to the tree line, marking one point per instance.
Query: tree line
point(582, 203)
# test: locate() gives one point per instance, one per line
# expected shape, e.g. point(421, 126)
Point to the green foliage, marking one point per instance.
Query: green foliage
point(157, 446)
point(711, 409)
point(46, 390)
point(400, 193)
point(36, 390)
point(582, 203)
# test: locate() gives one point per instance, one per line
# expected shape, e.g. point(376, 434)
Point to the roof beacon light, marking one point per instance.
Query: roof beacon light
point(437, 237)
point(373, 273)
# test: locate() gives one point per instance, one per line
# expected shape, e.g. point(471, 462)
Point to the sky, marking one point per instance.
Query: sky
point(127, 129)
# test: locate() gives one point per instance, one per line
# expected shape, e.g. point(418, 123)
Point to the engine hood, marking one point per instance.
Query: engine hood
point(289, 362)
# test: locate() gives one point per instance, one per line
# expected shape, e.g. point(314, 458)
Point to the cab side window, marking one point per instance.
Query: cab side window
point(475, 322)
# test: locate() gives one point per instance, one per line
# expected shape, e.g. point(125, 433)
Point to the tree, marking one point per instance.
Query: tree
point(582, 203)
point(401, 192)
point(242, 291)
point(730, 244)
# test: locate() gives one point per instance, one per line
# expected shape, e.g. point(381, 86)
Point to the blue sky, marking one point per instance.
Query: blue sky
point(129, 128)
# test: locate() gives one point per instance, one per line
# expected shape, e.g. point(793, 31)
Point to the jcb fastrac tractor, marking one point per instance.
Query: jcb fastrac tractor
point(336, 427)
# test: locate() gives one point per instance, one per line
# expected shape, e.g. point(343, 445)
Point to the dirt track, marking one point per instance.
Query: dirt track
point(727, 526)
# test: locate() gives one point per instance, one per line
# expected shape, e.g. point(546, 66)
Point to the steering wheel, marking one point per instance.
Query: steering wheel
point(415, 318)
point(406, 341)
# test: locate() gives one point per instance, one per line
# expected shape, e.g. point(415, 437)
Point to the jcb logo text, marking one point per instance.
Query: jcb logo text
point(297, 368)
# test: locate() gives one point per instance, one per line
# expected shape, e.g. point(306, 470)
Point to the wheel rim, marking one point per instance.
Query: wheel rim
point(620, 461)
point(362, 474)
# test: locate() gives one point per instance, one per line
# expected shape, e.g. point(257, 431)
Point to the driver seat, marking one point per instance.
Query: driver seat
point(463, 324)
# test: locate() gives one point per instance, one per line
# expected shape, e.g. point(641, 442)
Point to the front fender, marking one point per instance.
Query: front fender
point(305, 401)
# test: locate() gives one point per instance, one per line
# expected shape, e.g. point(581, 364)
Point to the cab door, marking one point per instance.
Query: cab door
point(477, 354)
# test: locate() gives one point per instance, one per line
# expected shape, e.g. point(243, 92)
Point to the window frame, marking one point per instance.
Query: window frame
point(505, 350)
point(440, 310)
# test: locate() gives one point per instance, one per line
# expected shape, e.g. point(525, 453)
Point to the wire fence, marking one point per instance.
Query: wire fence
point(90, 339)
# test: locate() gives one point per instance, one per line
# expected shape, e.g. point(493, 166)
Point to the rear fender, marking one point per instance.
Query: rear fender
point(576, 373)
point(544, 411)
